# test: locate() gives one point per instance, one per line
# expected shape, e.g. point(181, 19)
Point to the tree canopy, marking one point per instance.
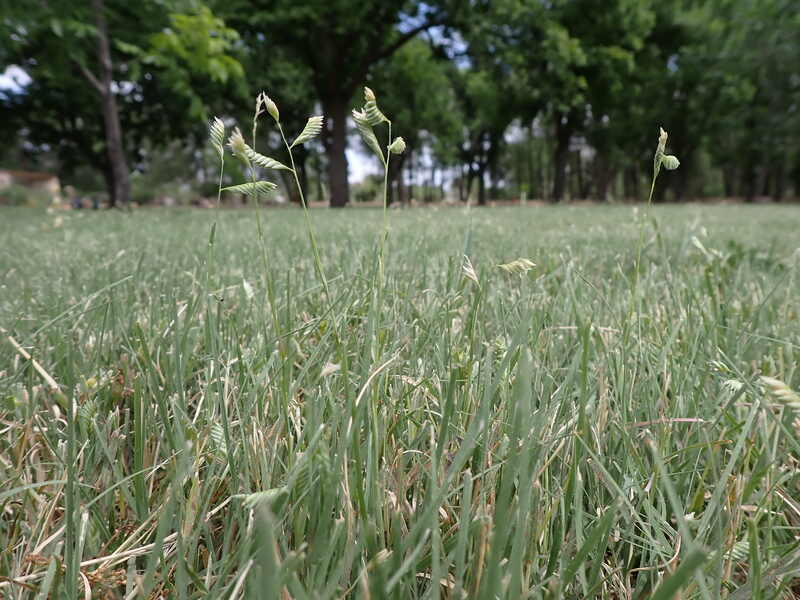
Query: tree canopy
point(495, 98)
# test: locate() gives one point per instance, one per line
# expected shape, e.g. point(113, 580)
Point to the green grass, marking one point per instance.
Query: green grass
point(523, 436)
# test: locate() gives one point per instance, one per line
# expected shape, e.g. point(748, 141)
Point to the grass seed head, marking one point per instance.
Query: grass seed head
point(216, 132)
point(521, 266)
point(239, 146)
point(670, 162)
point(398, 146)
point(469, 270)
point(271, 107)
point(781, 392)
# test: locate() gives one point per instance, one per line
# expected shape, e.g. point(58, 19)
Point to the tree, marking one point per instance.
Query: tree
point(339, 41)
point(487, 105)
point(125, 59)
point(755, 45)
point(581, 84)
point(41, 37)
point(288, 83)
point(495, 82)
point(120, 185)
point(414, 88)
point(589, 63)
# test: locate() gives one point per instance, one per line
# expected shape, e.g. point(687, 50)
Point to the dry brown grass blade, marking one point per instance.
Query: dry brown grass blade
point(107, 561)
point(54, 387)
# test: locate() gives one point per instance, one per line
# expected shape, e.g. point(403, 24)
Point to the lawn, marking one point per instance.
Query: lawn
point(204, 420)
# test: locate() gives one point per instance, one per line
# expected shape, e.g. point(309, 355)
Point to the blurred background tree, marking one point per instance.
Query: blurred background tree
point(110, 80)
point(496, 99)
point(339, 42)
point(416, 91)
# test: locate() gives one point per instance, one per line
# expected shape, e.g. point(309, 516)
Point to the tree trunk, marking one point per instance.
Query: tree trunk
point(751, 155)
point(749, 181)
point(468, 187)
point(766, 182)
point(430, 190)
point(560, 157)
point(520, 175)
point(779, 183)
point(120, 187)
point(335, 150)
point(728, 180)
point(627, 193)
point(492, 164)
point(602, 177)
point(108, 177)
point(396, 179)
point(580, 190)
point(631, 184)
point(482, 186)
point(543, 166)
point(680, 183)
point(533, 176)
point(291, 188)
point(402, 192)
point(319, 179)
point(412, 175)
point(300, 161)
point(796, 178)
point(426, 190)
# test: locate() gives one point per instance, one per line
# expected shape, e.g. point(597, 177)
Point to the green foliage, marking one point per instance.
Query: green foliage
point(416, 90)
point(166, 64)
point(193, 46)
point(334, 45)
point(19, 195)
point(510, 94)
point(369, 189)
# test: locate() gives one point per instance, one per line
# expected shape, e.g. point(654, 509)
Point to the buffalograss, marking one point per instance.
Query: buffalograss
point(203, 420)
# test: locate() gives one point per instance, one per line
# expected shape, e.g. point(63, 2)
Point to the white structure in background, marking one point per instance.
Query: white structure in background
point(44, 182)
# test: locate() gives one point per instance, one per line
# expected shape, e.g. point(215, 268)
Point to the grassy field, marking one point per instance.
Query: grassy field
point(205, 421)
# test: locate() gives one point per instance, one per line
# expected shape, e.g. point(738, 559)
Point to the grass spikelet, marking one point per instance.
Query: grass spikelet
point(519, 266)
point(781, 392)
point(469, 271)
point(262, 161)
point(371, 111)
point(239, 147)
point(216, 132)
point(364, 127)
point(312, 129)
point(251, 188)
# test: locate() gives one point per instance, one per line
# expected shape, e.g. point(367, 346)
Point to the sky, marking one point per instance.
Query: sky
point(360, 164)
point(13, 78)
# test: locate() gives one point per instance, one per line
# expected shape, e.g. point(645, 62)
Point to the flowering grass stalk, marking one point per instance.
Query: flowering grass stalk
point(366, 120)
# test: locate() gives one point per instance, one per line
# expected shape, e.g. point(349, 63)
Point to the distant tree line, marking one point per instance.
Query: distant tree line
point(495, 98)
